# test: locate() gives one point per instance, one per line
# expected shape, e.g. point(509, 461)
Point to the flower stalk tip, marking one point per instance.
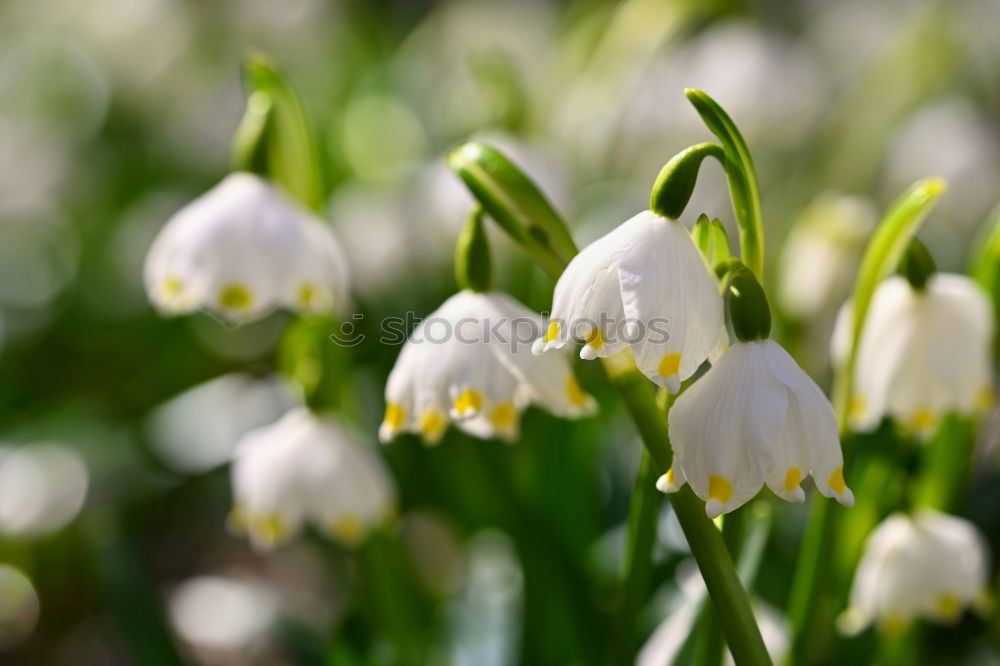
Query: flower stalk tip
point(748, 308)
point(917, 265)
point(676, 180)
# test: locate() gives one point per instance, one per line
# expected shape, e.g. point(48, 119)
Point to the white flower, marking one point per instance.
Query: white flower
point(820, 256)
point(242, 250)
point(470, 363)
point(755, 418)
point(929, 565)
point(307, 468)
point(922, 353)
point(645, 286)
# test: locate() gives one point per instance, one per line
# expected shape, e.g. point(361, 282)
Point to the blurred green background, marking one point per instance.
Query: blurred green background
point(114, 113)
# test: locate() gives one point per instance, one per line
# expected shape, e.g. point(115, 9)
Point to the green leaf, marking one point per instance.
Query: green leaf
point(882, 255)
point(743, 187)
point(675, 183)
point(713, 241)
point(292, 157)
point(473, 263)
point(514, 203)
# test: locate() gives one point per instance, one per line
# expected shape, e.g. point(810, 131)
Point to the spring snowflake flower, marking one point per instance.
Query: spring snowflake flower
point(242, 250)
point(929, 565)
point(470, 363)
point(307, 468)
point(755, 418)
point(923, 352)
point(645, 286)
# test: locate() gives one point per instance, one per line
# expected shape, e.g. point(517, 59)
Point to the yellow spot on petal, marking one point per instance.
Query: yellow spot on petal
point(268, 529)
point(836, 481)
point(172, 286)
point(503, 415)
point(670, 364)
point(347, 528)
point(792, 479)
point(575, 393)
point(985, 397)
point(922, 420)
point(893, 624)
point(306, 294)
point(670, 476)
point(595, 339)
point(719, 489)
point(948, 607)
point(395, 416)
point(235, 296)
point(432, 424)
point(553, 331)
point(857, 407)
point(469, 401)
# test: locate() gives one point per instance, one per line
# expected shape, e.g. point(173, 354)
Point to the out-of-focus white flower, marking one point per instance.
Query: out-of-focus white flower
point(922, 353)
point(243, 249)
point(307, 468)
point(470, 363)
point(42, 487)
point(645, 286)
point(755, 418)
point(222, 612)
point(821, 253)
point(199, 428)
point(929, 565)
point(669, 637)
point(19, 607)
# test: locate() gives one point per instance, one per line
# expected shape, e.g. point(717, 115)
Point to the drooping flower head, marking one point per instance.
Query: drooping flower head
point(644, 285)
point(754, 418)
point(470, 363)
point(927, 565)
point(923, 352)
point(242, 250)
point(306, 468)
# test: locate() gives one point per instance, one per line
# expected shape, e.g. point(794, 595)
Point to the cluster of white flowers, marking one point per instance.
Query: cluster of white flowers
point(927, 565)
point(922, 353)
point(755, 418)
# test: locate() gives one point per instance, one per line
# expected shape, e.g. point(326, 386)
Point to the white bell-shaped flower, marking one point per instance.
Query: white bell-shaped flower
point(242, 250)
point(922, 353)
point(645, 286)
point(754, 418)
point(470, 363)
point(307, 468)
point(929, 565)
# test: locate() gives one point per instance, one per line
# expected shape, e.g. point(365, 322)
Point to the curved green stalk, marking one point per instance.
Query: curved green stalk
point(743, 187)
point(810, 604)
point(292, 156)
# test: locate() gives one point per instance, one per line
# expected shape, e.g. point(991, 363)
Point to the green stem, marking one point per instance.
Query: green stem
point(711, 642)
point(644, 511)
point(730, 600)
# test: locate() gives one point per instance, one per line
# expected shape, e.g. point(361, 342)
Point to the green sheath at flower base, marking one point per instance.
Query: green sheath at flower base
point(748, 307)
point(292, 157)
point(473, 262)
point(713, 241)
point(514, 203)
point(917, 265)
point(675, 183)
point(742, 177)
